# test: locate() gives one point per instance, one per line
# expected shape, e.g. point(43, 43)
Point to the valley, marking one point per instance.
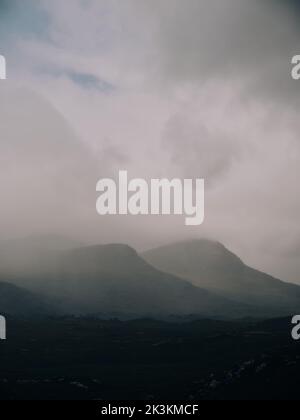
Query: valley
point(90, 359)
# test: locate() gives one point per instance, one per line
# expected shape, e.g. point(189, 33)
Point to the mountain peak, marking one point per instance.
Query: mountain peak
point(210, 265)
point(104, 257)
point(204, 262)
point(115, 279)
point(201, 251)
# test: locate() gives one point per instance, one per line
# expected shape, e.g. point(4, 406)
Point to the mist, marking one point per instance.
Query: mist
point(198, 90)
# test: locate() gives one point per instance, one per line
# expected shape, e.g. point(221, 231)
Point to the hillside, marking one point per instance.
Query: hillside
point(113, 279)
point(211, 266)
point(18, 301)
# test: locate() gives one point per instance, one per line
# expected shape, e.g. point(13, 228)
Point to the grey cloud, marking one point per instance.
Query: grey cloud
point(233, 54)
point(253, 41)
point(45, 181)
point(48, 176)
point(197, 149)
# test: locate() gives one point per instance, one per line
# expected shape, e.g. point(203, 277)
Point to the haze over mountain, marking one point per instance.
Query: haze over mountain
point(19, 301)
point(210, 265)
point(197, 278)
point(115, 279)
point(28, 262)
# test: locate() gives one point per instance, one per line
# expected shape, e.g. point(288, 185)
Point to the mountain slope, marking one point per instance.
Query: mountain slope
point(113, 279)
point(18, 301)
point(210, 265)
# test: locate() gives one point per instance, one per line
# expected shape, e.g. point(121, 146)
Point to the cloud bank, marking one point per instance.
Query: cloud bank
point(160, 88)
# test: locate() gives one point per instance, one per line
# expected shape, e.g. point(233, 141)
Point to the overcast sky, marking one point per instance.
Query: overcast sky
point(160, 88)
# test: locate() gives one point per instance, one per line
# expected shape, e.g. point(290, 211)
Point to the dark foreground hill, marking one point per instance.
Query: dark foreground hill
point(19, 301)
point(90, 359)
point(210, 265)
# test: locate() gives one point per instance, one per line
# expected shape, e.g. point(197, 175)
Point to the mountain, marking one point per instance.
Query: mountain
point(209, 265)
point(114, 279)
point(198, 278)
point(19, 301)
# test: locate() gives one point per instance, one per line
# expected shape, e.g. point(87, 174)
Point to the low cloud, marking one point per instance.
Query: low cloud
point(234, 39)
point(161, 89)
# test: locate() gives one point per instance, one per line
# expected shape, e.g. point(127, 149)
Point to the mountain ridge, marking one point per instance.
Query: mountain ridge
point(16, 300)
point(210, 265)
point(117, 273)
point(174, 280)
